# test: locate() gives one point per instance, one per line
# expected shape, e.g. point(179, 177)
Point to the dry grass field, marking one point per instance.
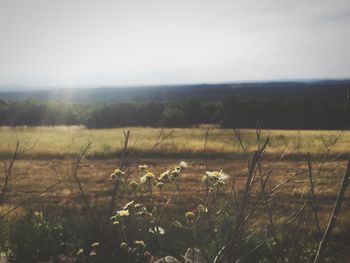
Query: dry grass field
point(33, 176)
point(49, 154)
point(63, 141)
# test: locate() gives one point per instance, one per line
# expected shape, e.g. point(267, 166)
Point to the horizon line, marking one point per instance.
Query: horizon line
point(96, 85)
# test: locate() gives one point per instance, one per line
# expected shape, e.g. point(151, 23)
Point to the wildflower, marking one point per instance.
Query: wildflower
point(96, 244)
point(149, 175)
point(123, 246)
point(140, 243)
point(93, 253)
point(183, 165)
point(178, 169)
point(80, 251)
point(123, 213)
point(159, 185)
point(128, 204)
point(143, 167)
point(164, 175)
point(172, 177)
point(133, 185)
point(116, 222)
point(190, 216)
point(157, 230)
point(217, 175)
point(138, 205)
point(202, 209)
point(39, 214)
point(117, 174)
point(143, 179)
point(216, 178)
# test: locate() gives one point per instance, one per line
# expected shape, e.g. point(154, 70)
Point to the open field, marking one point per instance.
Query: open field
point(66, 141)
point(33, 176)
point(49, 155)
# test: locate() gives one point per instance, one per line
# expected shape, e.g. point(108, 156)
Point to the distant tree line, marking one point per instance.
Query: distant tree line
point(33, 112)
point(323, 114)
point(231, 112)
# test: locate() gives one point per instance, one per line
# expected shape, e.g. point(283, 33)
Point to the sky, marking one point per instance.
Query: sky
point(149, 42)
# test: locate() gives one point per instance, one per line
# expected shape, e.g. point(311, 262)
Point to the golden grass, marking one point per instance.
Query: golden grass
point(32, 177)
point(60, 141)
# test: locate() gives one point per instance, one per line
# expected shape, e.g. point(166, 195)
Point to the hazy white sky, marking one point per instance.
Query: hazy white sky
point(116, 42)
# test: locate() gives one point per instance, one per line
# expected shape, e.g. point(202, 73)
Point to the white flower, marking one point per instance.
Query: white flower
point(157, 230)
point(80, 251)
point(140, 243)
point(143, 179)
point(96, 244)
point(217, 175)
point(183, 165)
point(143, 167)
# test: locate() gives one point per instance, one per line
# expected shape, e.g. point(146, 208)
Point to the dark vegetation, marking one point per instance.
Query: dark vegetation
point(278, 105)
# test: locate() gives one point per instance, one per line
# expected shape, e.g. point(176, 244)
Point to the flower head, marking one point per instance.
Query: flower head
point(217, 175)
point(140, 243)
point(123, 246)
point(217, 178)
point(149, 175)
point(157, 230)
point(146, 176)
point(96, 244)
point(143, 179)
point(143, 167)
point(138, 205)
point(172, 177)
point(80, 251)
point(183, 165)
point(202, 209)
point(133, 185)
point(190, 216)
point(117, 174)
point(39, 214)
point(123, 213)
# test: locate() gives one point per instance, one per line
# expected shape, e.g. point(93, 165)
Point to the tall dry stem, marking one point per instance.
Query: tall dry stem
point(332, 220)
